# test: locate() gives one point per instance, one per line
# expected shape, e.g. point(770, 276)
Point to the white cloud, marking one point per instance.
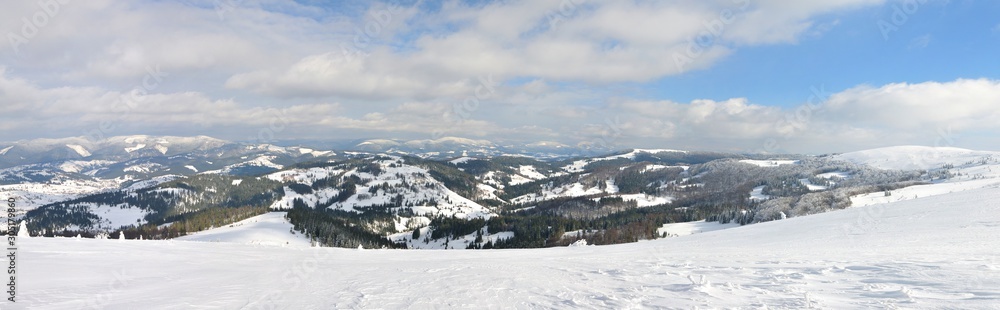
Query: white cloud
point(594, 42)
point(110, 41)
point(860, 117)
point(960, 104)
point(79, 111)
point(962, 112)
point(285, 49)
point(549, 65)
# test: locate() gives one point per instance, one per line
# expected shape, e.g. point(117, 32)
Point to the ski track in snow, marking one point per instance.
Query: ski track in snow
point(931, 253)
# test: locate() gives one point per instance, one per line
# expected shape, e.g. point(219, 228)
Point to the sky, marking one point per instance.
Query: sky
point(775, 76)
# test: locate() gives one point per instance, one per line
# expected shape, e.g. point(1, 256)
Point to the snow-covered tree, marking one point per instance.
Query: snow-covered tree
point(22, 231)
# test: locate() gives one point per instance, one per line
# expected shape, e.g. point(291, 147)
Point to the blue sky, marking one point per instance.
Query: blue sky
point(962, 44)
point(576, 72)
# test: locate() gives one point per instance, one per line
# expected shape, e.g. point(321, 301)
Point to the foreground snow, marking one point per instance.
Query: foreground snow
point(931, 253)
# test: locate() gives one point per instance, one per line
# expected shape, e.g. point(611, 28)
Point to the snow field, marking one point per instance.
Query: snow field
point(690, 228)
point(914, 254)
point(266, 229)
point(916, 157)
point(769, 162)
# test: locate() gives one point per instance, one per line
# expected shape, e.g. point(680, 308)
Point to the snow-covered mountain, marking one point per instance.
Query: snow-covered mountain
point(446, 147)
point(123, 149)
point(406, 187)
point(350, 198)
point(46, 171)
point(918, 157)
point(113, 148)
point(949, 169)
point(855, 230)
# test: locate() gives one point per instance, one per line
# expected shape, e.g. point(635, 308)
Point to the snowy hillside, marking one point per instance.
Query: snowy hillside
point(380, 200)
point(266, 229)
point(383, 181)
point(957, 170)
point(578, 166)
point(931, 253)
point(112, 148)
point(915, 157)
point(450, 147)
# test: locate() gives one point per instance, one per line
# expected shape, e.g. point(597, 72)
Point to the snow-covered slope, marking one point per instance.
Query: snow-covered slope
point(396, 182)
point(30, 196)
point(266, 229)
point(914, 157)
point(933, 253)
point(769, 162)
point(960, 170)
point(577, 166)
point(449, 243)
point(690, 228)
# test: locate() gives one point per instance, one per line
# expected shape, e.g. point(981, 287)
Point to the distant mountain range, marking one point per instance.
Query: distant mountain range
point(451, 192)
point(452, 146)
point(132, 147)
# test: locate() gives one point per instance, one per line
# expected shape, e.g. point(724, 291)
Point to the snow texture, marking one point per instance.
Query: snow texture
point(914, 157)
point(577, 166)
point(932, 253)
point(266, 229)
point(769, 162)
point(79, 149)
